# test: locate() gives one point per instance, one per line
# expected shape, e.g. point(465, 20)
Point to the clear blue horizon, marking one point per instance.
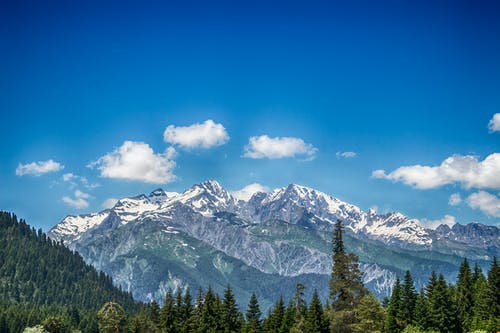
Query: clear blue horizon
point(322, 94)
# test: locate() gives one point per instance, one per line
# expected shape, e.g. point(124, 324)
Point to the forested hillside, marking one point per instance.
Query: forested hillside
point(39, 276)
point(46, 288)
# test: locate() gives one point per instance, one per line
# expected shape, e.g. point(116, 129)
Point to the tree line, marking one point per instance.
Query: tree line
point(472, 304)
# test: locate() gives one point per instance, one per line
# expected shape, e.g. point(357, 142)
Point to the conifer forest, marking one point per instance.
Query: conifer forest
point(45, 287)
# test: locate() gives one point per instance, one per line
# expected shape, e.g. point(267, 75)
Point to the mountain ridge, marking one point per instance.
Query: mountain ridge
point(285, 232)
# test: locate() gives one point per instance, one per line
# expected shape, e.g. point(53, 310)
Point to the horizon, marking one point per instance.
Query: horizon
point(246, 196)
point(391, 106)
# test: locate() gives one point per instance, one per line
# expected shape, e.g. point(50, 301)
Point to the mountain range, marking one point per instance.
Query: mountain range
point(207, 236)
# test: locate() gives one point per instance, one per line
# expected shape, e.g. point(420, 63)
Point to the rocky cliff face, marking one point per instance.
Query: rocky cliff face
point(205, 236)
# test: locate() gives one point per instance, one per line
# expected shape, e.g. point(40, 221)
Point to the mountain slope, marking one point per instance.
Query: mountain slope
point(148, 243)
point(34, 269)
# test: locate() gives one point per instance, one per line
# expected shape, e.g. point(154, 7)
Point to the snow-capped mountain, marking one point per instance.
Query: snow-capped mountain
point(205, 236)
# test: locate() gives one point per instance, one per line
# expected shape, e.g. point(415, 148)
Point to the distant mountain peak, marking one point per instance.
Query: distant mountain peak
point(188, 235)
point(212, 184)
point(159, 192)
point(293, 203)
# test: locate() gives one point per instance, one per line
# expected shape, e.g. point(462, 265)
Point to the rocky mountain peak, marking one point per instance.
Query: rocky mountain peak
point(159, 192)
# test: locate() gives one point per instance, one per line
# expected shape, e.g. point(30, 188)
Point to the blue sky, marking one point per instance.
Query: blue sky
point(92, 86)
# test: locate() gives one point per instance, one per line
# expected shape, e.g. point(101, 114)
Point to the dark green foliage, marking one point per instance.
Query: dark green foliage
point(4, 328)
point(473, 304)
point(274, 320)
point(288, 318)
point(346, 287)
point(231, 317)
point(408, 299)
point(168, 314)
point(464, 296)
point(395, 320)
point(481, 308)
point(369, 315)
point(342, 321)
point(315, 317)
point(421, 311)
point(253, 315)
point(209, 320)
point(142, 323)
point(494, 287)
point(154, 312)
point(442, 316)
point(37, 270)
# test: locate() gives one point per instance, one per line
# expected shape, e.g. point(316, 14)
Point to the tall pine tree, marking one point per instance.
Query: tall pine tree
point(464, 297)
point(395, 320)
point(346, 287)
point(274, 320)
point(369, 315)
point(167, 314)
point(408, 299)
point(494, 286)
point(442, 315)
point(231, 318)
point(315, 318)
point(253, 315)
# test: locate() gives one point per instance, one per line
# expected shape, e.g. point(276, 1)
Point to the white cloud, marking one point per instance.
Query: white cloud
point(78, 201)
point(265, 147)
point(346, 154)
point(246, 192)
point(74, 181)
point(455, 199)
point(137, 161)
point(466, 170)
point(488, 203)
point(109, 203)
point(68, 177)
point(38, 168)
point(494, 123)
point(378, 174)
point(433, 224)
point(204, 135)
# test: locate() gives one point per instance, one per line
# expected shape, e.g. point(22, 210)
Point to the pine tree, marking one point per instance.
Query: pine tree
point(187, 312)
point(112, 318)
point(395, 321)
point(274, 320)
point(179, 319)
point(481, 309)
point(315, 319)
point(369, 315)
point(464, 296)
point(288, 319)
point(299, 301)
point(253, 315)
point(231, 319)
point(195, 320)
point(494, 287)
point(346, 287)
point(421, 311)
point(408, 299)
point(442, 316)
point(74, 315)
point(209, 320)
point(154, 312)
point(167, 314)
point(476, 273)
point(141, 323)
